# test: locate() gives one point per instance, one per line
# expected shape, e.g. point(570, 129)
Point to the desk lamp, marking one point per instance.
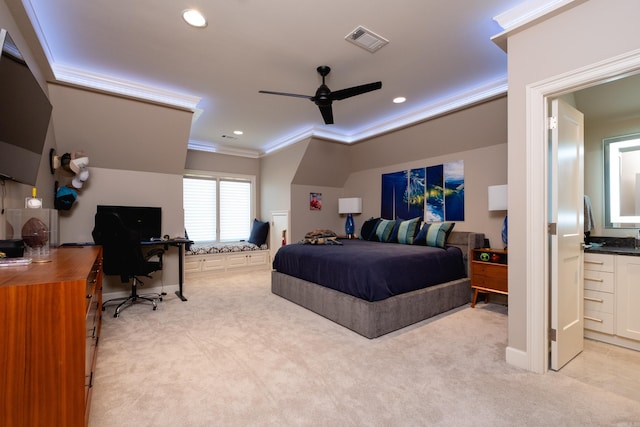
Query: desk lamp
point(349, 206)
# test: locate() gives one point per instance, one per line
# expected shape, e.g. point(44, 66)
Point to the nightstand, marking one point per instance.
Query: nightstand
point(489, 272)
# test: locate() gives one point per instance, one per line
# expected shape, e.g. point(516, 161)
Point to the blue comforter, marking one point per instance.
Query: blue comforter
point(371, 271)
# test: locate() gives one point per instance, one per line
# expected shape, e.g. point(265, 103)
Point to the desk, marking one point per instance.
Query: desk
point(180, 244)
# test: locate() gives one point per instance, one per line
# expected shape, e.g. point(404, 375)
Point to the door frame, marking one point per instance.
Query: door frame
point(537, 265)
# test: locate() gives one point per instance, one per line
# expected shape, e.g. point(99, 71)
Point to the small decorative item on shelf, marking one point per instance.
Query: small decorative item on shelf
point(33, 202)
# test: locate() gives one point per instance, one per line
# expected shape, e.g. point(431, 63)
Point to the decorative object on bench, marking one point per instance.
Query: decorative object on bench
point(259, 232)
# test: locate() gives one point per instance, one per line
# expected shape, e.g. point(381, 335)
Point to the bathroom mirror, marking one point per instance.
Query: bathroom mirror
point(622, 181)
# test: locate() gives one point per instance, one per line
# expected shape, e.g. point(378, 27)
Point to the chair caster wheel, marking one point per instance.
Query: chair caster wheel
point(116, 315)
point(155, 308)
point(160, 299)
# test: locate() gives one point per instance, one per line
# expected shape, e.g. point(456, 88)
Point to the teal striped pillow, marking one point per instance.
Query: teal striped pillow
point(434, 234)
point(384, 229)
point(407, 230)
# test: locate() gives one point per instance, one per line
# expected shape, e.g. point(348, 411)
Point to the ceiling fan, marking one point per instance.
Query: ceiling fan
point(324, 97)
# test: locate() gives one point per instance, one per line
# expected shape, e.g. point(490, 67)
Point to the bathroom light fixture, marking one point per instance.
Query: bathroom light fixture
point(194, 18)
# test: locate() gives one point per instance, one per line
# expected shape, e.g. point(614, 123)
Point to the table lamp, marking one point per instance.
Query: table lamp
point(349, 206)
point(498, 201)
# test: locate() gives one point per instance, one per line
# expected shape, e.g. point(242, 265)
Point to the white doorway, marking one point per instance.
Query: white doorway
point(538, 97)
point(566, 178)
point(278, 232)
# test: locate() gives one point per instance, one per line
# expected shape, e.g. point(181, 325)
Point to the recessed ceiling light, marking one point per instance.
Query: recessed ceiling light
point(194, 18)
point(238, 132)
point(399, 100)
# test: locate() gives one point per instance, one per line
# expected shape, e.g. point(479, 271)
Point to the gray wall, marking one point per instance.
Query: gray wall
point(590, 32)
point(13, 20)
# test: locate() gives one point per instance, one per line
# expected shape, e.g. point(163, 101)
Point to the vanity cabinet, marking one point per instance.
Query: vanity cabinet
point(611, 296)
point(628, 297)
point(599, 294)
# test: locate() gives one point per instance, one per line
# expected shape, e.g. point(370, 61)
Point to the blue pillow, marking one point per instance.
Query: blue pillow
point(368, 228)
point(393, 238)
point(407, 230)
point(434, 234)
point(384, 229)
point(259, 232)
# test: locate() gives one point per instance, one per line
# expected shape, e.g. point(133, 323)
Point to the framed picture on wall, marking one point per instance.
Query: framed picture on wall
point(315, 201)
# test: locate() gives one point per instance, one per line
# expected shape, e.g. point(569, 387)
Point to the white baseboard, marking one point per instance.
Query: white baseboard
point(517, 358)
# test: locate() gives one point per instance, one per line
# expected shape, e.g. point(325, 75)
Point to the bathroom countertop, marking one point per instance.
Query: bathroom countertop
point(613, 245)
point(613, 250)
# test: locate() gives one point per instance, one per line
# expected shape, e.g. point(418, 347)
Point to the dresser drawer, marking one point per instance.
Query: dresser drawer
point(598, 302)
point(598, 262)
point(493, 276)
point(600, 322)
point(598, 281)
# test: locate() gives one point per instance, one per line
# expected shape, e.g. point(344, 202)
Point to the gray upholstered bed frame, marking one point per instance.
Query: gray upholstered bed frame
point(373, 319)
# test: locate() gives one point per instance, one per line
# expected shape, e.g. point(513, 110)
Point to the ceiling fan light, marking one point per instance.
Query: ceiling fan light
point(194, 18)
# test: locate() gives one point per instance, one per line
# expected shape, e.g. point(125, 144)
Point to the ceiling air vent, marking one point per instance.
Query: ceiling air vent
point(366, 39)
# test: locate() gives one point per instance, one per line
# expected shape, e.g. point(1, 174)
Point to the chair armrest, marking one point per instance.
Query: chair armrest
point(154, 252)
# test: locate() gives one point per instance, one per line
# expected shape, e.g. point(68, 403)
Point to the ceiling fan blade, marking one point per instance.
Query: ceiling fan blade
point(356, 90)
point(286, 94)
point(327, 113)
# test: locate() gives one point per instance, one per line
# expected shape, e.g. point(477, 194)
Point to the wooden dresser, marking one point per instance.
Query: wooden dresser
point(49, 329)
point(489, 268)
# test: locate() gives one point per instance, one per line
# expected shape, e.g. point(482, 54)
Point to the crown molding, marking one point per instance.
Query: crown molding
point(527, 14)
point(108, 84)
point(211, 147)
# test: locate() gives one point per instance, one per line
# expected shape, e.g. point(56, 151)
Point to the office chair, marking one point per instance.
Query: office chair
point(123, 256)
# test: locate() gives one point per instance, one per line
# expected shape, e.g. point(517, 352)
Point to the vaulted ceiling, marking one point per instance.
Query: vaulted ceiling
point(439, 56)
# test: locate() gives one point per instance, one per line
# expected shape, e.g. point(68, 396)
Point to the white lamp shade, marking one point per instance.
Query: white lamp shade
point(350, 205)
point(498, 197)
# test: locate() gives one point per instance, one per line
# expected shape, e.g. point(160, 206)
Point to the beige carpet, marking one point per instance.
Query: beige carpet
point(236, 355)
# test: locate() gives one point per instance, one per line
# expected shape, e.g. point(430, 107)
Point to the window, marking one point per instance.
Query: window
point(218, 209)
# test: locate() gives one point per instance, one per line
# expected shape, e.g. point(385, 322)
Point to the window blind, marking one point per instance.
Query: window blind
point(217, 209)
point(235, 210)
point(199, 203)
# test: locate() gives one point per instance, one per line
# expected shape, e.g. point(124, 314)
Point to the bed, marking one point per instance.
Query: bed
point(369, 312)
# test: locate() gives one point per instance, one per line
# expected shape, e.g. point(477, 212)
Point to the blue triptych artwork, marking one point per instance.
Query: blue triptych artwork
point(435, 193)
point(403, 194)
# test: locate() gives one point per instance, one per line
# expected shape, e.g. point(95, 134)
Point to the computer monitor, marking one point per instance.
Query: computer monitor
point(145, 220)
